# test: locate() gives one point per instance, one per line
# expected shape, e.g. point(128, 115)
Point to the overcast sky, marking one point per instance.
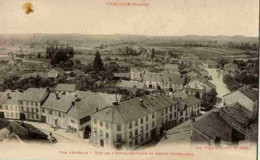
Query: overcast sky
point(161, 17)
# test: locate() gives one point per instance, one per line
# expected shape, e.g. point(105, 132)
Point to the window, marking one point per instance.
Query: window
point(36, 104)
point(107, 135)
point(101, 123)
point(162, 113)
point(118, 127)
point(27, 109)
point(36, 110)
point(130, 125)
point(142, 121)
point(136, 122)
point(142, 138)
point(170, 109)
point(12, 114)
point(153, 116)
point(43, 110)
point(170, 116)
point(21, 102)
point(147, 135)
point(6, 107)
point(142, 129)
point(146, 127)
point(166, 110)
point(50, 112)
point(119, 137)
point(146, 118)
point(136, 141)
point(32, 110)
point(37, 116)
point(7, 114)
point(136, 132)
point(175, 114)
point(153, 124)
point(11, 108)
point(31, 103)
point(181, 113)
point(16, 115)
point(95, 121)
point(27, 102)
point(21, 108)
point(72, 121)
point(107, 125)
point(101, 133)
point(130, 134)
point(59, 114)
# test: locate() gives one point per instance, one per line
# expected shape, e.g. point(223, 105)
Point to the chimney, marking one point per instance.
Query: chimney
point(96, 109)
point(142, 102)
point(57, 96)
point(73, 103)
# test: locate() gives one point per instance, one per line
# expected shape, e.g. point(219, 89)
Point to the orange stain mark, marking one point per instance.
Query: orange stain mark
point(28, 8)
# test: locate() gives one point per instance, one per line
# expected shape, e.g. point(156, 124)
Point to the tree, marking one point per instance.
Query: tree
point(98, 63)
point(153, 53)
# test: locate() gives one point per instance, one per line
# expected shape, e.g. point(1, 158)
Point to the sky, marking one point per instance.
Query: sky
point(159, 18)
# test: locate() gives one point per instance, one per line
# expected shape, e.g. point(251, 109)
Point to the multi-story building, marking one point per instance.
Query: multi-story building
point(65, 88)
point(131, 123)
point(9, 107)
point(246, 96)
point(171, 68)
point(30, 102)
point(137, 74)
point(163, 80)
point(55, 109)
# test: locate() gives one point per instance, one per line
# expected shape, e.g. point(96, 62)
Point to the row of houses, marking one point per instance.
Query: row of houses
point(63, 107)
point(109, 122)
point(234, 123)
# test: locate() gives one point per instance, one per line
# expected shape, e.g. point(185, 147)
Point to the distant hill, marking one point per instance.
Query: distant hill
point(123, 37)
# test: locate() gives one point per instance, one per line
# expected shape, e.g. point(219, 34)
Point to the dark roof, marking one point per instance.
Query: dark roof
point(90, 101)
point(163, 77)
point(62, 104)
point(248, 92)
point(214, 126)
point(133, 109)
point(34, 94)
point(190, 100)
point(14, 97)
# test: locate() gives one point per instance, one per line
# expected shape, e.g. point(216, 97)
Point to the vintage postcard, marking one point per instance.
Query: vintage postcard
point(129, 79)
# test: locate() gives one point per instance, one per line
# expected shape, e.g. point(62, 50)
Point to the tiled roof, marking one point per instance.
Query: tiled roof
point(133, 109)
point(34, 94)
point(179, 94)
point(214, 126)
point(66, 87)
point(250, 93)
point(90, 101)
point(14, 97)
point(130, 84)
point(182, 133)
point(190, 100)
point(163, 77)
point(63, 104)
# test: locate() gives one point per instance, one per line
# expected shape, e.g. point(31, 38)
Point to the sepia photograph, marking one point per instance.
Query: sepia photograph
point(129, 79)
